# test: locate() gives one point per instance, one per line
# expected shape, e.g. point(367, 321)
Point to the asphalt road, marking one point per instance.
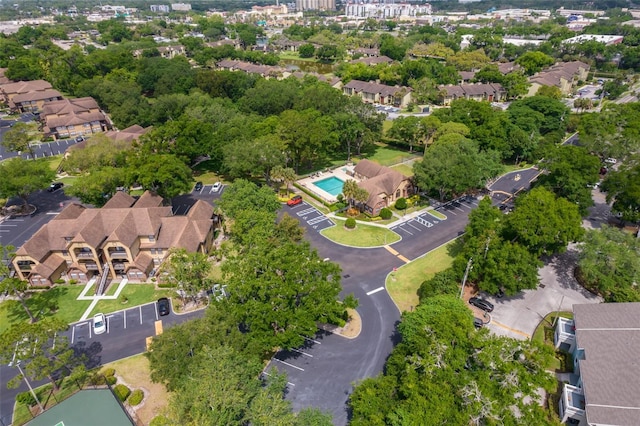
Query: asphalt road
point(126, 335)
point(321, 373)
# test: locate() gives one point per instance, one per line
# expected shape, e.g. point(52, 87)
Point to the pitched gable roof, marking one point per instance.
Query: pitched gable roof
point(119, 200)
point(370, 87)
point(379, 180)
point(25, 87)
point(148, 199)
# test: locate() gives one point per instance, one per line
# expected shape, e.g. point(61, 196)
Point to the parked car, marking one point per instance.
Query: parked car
point(99, 324)
point(295, 200)
point(611, 161)
point(55, 186)
point(217, 186)
point(478, 323)
point(164, 307)
point(79, 138)
point(198, 186)
point(481, 303)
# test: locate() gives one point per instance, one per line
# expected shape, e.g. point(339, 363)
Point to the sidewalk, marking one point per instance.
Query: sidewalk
point(401, 219)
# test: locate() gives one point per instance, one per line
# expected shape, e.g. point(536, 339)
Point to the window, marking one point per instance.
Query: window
point(152, 238)
point(398, 193)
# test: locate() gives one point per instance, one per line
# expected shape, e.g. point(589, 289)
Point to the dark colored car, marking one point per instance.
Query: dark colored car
point(478, 323)
point(481, 303)
point(164, 307)
point(79, 138)
point(55, 186)
point(198, 186)
point(296, 199)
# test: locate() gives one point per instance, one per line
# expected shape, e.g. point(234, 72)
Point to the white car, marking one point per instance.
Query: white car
point(611, 161)
point(99, 324)
point(217, 186)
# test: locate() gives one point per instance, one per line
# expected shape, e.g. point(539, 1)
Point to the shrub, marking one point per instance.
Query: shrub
point(136, 397)
point(108, 372)
point(59, 281)
point(122, 392)
point(73, 281)
point(26, 398)
point(98, 380)
point(160, 421)
point(401, 203)
point(123, 299)
point(111, 380)
point(385, 213)
point(350, 223)
point(166, 285)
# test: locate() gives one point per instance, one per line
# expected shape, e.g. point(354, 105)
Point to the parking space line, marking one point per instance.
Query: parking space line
point(416, 228)
point(303, 353)
point(108, 323)
point(306, 211)
point(290, 365)
point(155, 309)
point(369, 293)
point(73, 333)
point(125, 318)
point(408, 232)
point(316, 220)
point(140, 308)
point(267, 374)
point(311, 340)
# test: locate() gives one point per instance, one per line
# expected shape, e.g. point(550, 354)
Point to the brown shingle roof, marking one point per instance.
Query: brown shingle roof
point(119, 200)
point(373, 60)
point(609, 333)
point(49, 266)
point(200, 211)
point(148, 199)
point(379, 179)
point(129, 134)
point(25, 87)
point(142, 262)
point(370, 87)
point(36, 96)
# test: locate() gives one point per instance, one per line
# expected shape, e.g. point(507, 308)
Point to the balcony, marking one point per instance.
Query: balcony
point(119, 266)
point(118, 255)
point(85, 255)
point(91, 266)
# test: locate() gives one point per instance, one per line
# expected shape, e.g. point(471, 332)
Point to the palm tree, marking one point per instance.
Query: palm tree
point(349, 190)
point(284, 175)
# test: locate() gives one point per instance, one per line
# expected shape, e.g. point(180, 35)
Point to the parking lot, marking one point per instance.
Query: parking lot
point(141, 317)
point(182, 203)
point(310, 216)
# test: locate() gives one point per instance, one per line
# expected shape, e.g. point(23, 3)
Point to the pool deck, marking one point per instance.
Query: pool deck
point(340, 173)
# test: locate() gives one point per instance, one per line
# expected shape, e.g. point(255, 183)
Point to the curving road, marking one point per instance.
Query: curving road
point(322, 373)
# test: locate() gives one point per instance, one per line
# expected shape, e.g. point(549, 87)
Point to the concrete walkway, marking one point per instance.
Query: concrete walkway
point(95, 299)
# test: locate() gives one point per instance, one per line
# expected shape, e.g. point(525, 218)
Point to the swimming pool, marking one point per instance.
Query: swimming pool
point(332, 185)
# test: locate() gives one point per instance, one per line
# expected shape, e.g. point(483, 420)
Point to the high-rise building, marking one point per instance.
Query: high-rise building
point(302, 5)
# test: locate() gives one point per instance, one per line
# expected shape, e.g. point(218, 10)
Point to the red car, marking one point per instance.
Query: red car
point(296, 199)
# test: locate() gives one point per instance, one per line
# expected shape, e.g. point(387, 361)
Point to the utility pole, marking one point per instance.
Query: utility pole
point(17, 364)
point(466, 273)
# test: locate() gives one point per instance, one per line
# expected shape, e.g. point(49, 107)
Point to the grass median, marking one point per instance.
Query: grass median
point(404, 283)
point(135, 294)
point(362, 236)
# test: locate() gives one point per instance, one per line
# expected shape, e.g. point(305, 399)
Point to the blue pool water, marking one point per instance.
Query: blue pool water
point(332, 185)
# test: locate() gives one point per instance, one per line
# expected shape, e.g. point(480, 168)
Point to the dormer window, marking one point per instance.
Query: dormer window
point(152, 238)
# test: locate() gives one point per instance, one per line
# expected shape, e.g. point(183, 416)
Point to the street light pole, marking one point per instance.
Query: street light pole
point(29, 386)
point(466, 273)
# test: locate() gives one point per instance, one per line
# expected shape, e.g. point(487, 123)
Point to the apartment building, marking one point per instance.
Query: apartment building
point(603, 340)
point(68, 118)
point(127, 237)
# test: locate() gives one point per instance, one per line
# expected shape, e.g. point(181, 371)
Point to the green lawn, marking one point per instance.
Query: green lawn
point(437, 214)
point(544, 334)
point(405, 169)
point(403, 284)
point(362, 236)
point(63, 297)
point(508, 168)
point(54, 162)
point(387, 155)
point(207, 172)
point(137, 294)
point(386, 125)
point(67, 180)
